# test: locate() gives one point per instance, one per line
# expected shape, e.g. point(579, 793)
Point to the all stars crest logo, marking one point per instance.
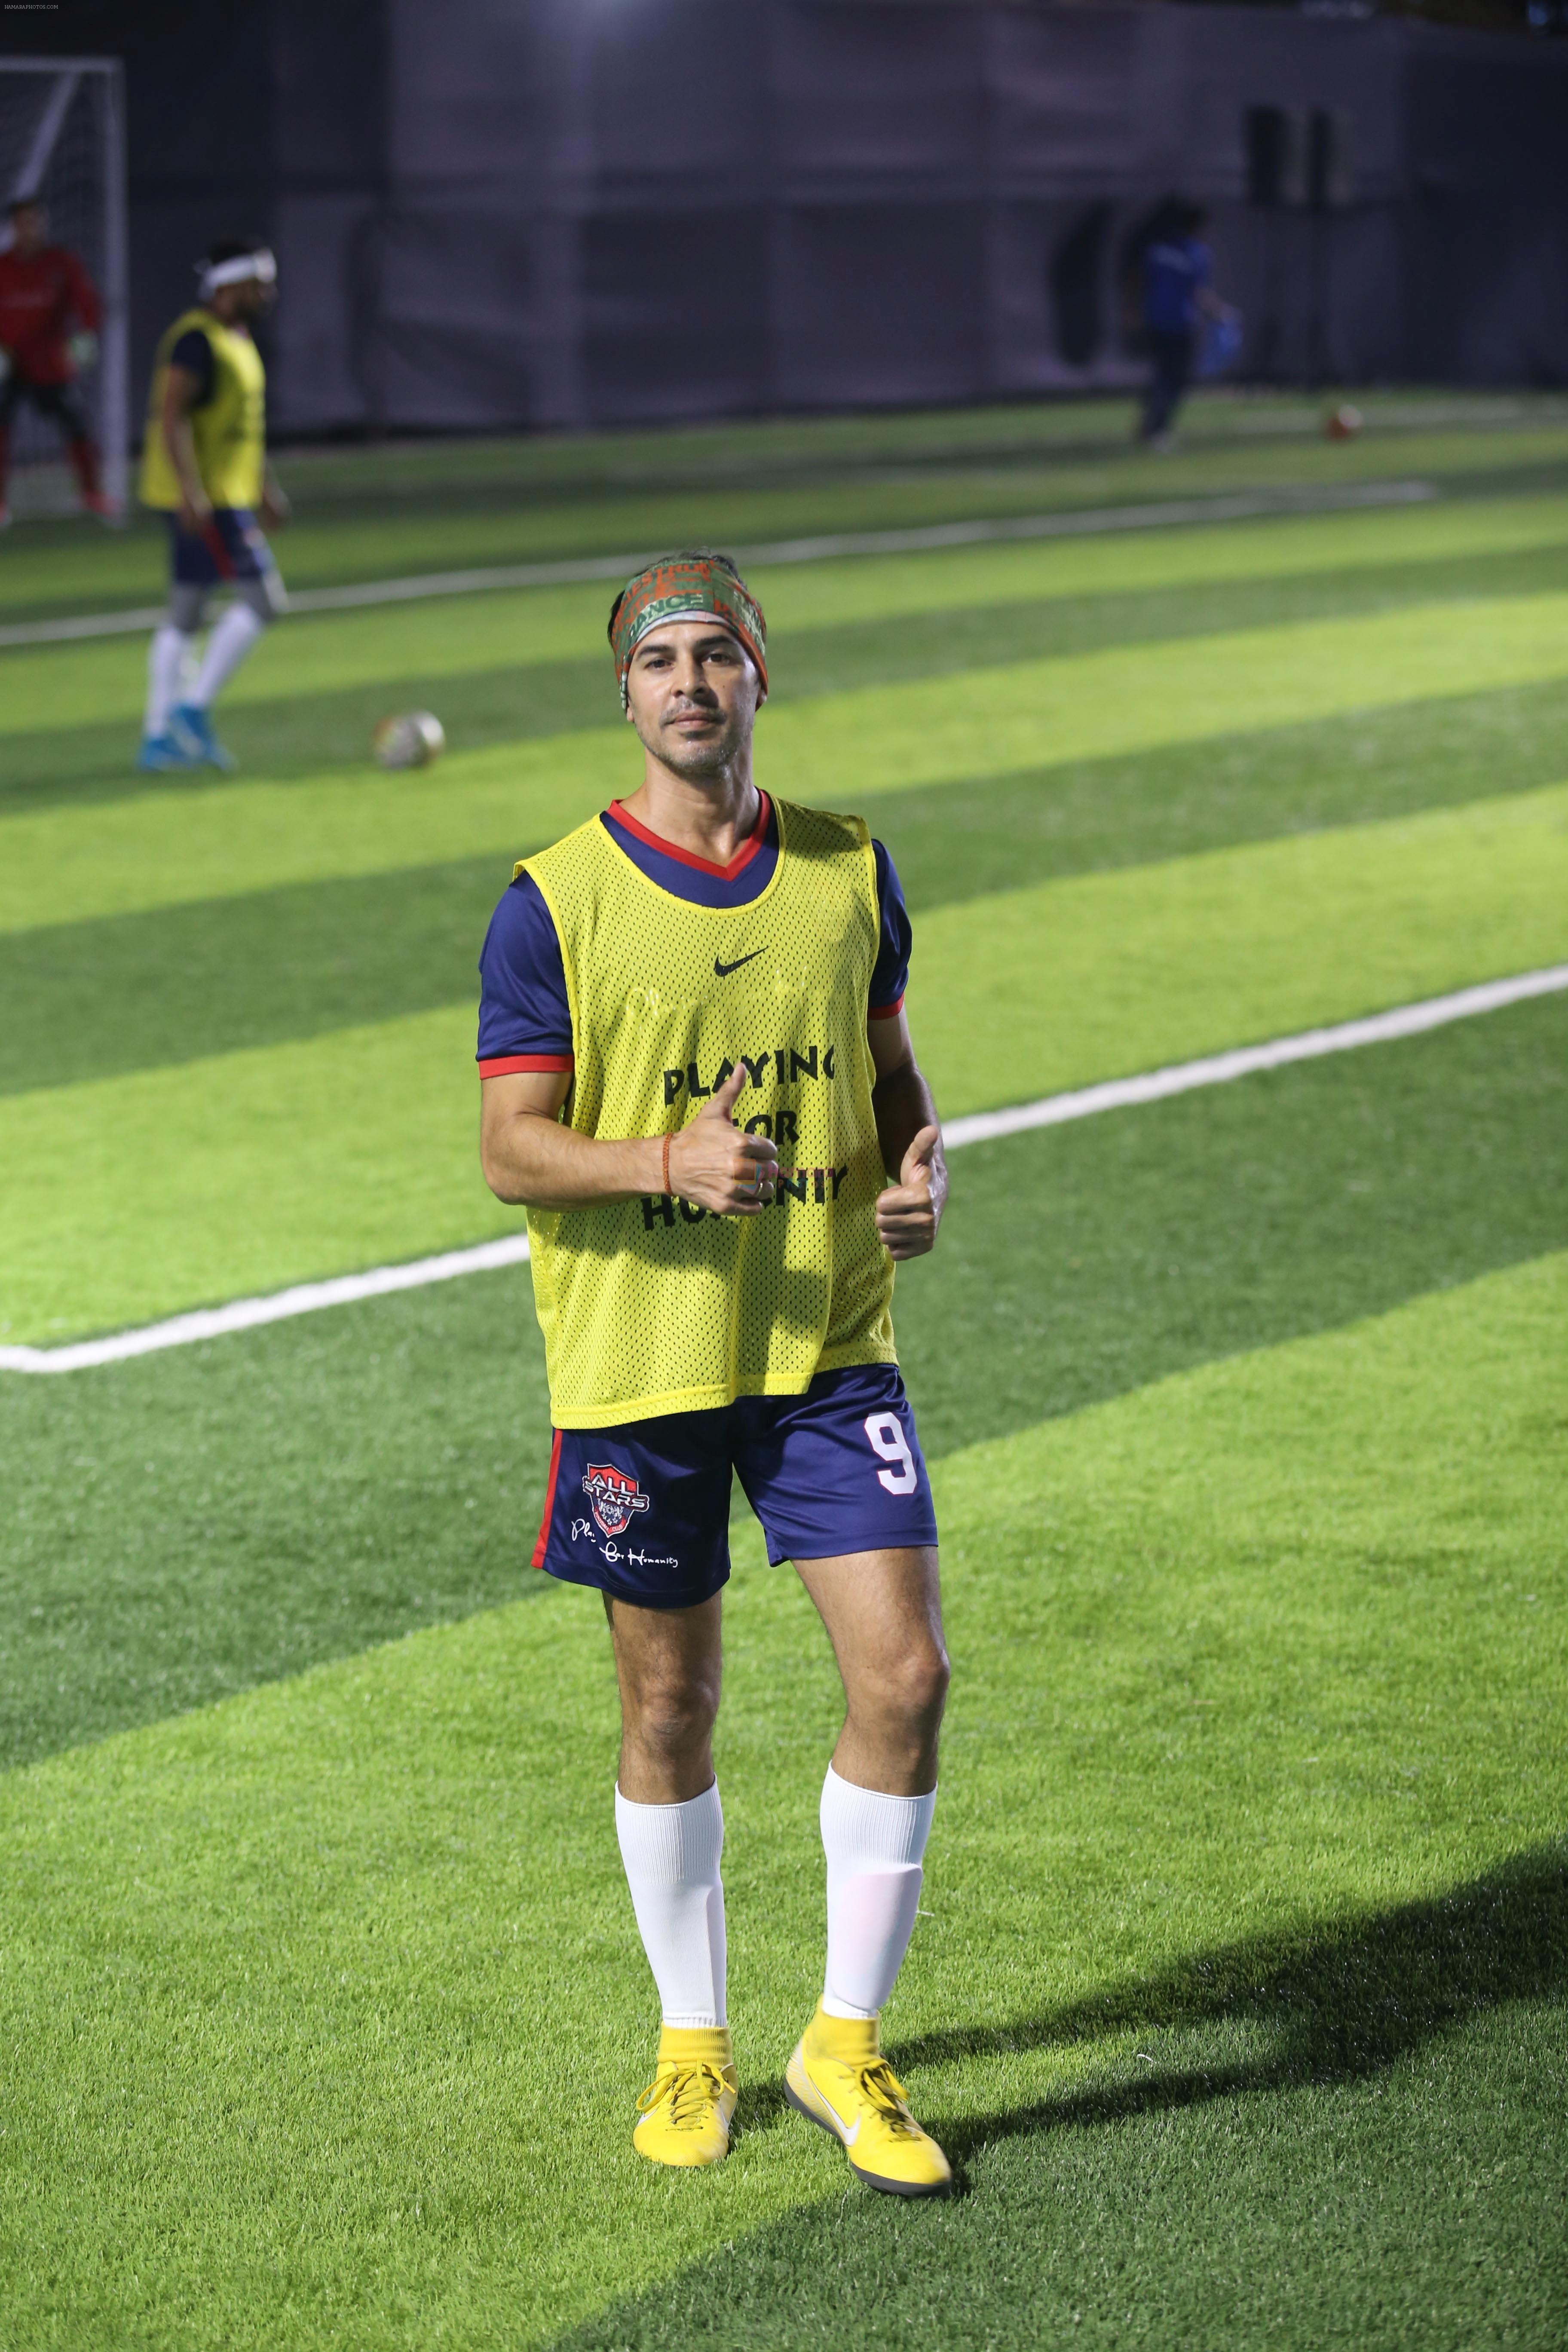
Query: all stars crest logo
point(615, 1498)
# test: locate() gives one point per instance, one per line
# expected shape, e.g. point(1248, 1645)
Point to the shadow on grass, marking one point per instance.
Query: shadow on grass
point(1335, 2003)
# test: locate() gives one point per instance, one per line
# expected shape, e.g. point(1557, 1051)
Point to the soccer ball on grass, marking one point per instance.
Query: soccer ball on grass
point(410, 739)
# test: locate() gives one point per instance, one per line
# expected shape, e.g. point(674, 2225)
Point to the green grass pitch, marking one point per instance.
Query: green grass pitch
point(1240, 1996)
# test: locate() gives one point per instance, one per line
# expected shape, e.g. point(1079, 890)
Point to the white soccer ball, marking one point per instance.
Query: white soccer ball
point(411, 739)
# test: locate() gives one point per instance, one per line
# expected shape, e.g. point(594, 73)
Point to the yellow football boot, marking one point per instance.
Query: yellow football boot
point(839, 2078)
point(686, 2109)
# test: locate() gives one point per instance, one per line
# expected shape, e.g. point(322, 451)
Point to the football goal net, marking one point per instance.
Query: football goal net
point(62, 138)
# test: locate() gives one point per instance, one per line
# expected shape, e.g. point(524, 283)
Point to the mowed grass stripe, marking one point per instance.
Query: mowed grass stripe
point(394, 1454)
point(372, 535)
point(1036, 990)
point(173, 847)
point(70, 686)
point(129, 1198)
point(229, 1515)
point(967, 841)
point(280, 1966)
point(315, 731)
point(380, 543)
point(1081, 1262)
point(69, 563)
point(173, 984)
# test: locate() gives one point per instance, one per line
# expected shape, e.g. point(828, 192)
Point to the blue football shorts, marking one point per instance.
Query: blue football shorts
point(642, 1510)
point(231, 546)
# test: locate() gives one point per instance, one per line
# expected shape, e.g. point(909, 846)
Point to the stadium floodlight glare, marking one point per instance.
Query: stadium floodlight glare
point(62, 138)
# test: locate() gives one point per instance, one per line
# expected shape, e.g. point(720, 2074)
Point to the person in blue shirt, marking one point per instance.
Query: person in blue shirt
point(1178, 292)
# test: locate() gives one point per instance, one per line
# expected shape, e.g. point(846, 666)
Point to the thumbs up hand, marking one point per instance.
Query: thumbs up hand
point(907, 1211)
point(733, 1175)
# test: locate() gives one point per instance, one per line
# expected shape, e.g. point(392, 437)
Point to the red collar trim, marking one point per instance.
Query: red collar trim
point(737, 864)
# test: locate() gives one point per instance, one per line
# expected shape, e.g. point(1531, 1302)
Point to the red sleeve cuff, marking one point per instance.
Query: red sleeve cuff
point(505, 1063)
point(886, 1012)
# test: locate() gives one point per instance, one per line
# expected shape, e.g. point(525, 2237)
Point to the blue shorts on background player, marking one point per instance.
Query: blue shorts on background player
point(230, 547)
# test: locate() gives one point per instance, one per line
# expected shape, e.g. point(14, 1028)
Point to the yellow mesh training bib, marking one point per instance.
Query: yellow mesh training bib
point(654, 1305)
point(229, 430)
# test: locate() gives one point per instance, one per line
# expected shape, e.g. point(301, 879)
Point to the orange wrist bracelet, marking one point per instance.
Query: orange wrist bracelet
point(667, 1144)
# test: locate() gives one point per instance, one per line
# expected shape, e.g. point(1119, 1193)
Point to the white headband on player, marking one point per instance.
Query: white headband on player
point(259, 265)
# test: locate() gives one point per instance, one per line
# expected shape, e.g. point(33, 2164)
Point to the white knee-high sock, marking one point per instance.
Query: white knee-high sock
point(167, 657)
point(875, 1845)
point(230, 641)
point(671, 1857)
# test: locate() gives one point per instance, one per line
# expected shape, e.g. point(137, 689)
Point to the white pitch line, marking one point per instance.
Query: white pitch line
point(982, 1127)
point(980, 532)
point(246, 1314)
point(1218, 1069)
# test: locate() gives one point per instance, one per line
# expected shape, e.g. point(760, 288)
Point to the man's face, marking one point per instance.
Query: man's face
point(253, 298)
point(29, 226)
point(692, 693)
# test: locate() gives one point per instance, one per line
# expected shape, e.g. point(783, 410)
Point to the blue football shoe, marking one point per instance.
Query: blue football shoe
point(193, 729)
point(161, 755)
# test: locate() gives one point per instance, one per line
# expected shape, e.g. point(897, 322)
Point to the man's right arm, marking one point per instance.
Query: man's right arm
point(182, 390)
point(530, 1159)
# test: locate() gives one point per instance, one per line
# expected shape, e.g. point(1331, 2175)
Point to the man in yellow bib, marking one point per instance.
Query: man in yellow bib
point(698, 1076)
point(204, 468)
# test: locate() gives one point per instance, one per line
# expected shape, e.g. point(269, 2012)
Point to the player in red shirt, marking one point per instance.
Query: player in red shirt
point(47, 306)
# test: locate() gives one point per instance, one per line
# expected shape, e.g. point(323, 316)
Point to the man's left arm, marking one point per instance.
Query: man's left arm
point(910, 1210)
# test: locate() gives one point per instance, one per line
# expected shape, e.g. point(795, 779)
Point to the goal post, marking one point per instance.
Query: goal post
point(62, 137)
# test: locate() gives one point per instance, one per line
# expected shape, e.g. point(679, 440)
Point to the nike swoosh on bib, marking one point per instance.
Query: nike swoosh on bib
point(722, 971)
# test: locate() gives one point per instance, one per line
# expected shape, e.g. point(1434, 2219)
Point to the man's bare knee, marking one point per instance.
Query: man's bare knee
point(905, 1692)
point(923, 1685)
point(668, 1665)
point(264, 595)
point(669, 1713)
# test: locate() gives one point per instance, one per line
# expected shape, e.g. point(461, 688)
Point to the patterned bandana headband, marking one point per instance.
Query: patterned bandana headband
point(691, 586)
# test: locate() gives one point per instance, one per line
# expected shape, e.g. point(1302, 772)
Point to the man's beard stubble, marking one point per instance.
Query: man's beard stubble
point(699, 763)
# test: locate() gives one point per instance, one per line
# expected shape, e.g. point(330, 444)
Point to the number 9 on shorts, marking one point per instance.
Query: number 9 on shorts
point(888, 1443)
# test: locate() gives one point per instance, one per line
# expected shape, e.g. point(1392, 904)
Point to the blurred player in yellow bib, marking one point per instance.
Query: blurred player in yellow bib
point(204, 467)
point(698, 1076)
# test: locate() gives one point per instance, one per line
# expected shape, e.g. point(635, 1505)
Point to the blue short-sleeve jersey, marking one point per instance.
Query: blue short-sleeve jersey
point(1174, 270)
point(193, 352)
point(525, 1016)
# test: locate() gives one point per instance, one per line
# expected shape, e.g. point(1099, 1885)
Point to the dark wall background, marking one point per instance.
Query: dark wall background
point(505, 212)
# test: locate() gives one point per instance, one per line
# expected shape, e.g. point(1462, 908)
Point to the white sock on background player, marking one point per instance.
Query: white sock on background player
point(168, 657)
point(671, 1855)
point(232, 638)
point(875, 1846)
